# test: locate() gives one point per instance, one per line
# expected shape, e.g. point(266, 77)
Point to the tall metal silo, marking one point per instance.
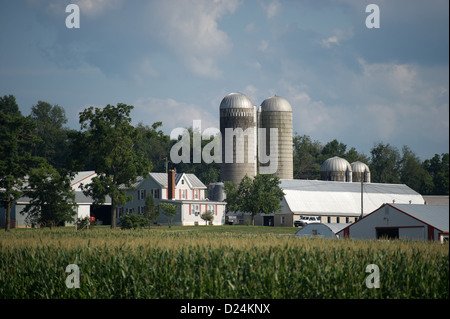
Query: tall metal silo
point(276, 112)
point(238, 130)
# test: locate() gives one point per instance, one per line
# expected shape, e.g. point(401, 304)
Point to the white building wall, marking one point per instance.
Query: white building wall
point(387, 216)
point(83, 211)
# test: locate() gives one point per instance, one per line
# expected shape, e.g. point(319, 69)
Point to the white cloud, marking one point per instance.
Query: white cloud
point(329, 42)
point(190, 29)
point(263, 45)
point(142, 69)
point(272, 8)
point(88, 8)
point(172, 113)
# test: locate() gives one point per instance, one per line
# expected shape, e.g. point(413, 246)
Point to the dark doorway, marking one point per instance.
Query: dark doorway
point(387, 233)
point(268, 220)
point(102, 214)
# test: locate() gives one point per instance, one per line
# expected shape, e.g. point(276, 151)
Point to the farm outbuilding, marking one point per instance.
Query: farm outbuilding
point(322, 230)
point(402, 221)
point(338, 202)
point(84, 209)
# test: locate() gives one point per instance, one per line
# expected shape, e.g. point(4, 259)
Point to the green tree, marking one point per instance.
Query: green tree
point(109, 140)
point(52, 200)
point(151, 211)
point(169, 210)
point(305, 155)
point(207, 216)
point(50, 122)
point(261, 194)
point(385, 164)
point(412, 172)
point(16, 139)
point(438, 168)
point(154, 144)
point(206, 172)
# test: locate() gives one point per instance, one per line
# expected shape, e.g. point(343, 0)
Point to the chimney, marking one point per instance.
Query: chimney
point(171, 184)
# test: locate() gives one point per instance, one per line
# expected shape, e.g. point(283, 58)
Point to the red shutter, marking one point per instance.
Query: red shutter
point(215, 208)
point(167, 193)
point(189, 209)
point(145, 193)
point(180, 193)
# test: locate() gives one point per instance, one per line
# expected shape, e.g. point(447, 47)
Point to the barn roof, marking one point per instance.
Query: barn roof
point(328, 198)
point(436, 216)
point(333, 227)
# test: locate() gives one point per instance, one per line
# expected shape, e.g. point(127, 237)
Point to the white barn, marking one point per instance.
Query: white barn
point(403, 221)
point(335, 202)
point(183, 190)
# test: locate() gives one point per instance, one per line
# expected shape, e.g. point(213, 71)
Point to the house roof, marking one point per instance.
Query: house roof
point(193, 180)
point(161, 179)
point(327, 198)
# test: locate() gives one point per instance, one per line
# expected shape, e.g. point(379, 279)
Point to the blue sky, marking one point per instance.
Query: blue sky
point(175, 61)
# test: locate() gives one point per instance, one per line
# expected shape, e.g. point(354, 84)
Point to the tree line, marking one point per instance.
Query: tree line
point(386, 163)
point(40, 155)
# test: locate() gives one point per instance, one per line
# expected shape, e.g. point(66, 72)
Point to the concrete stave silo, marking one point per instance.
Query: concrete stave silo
point(276, 112)
point(238, 114)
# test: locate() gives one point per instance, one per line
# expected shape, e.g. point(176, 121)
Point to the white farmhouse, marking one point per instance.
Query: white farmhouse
point(183, 190)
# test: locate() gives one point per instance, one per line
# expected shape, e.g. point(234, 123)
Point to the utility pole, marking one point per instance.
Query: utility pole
point(362, 196)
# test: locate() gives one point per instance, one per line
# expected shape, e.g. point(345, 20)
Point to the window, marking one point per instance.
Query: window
point(196, 194)
point(142, 194)
point(328, 219)
point(196, 209)
point(183, 194)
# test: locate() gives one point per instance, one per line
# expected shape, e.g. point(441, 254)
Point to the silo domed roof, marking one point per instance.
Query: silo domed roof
point(335, 164)
point(276, 104)
point(360, 167)
point(236, 101)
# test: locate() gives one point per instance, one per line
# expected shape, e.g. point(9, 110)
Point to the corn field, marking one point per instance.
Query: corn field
point(191, 264)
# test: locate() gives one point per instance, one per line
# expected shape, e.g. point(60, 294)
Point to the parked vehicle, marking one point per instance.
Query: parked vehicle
point(305, 220)
point(230, 220)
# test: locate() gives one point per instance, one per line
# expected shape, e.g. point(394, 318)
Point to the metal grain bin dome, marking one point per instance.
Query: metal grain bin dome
point(236, 101)
point(360, 172)
point(276, 112)
point(336, 169)
point(276, 104)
